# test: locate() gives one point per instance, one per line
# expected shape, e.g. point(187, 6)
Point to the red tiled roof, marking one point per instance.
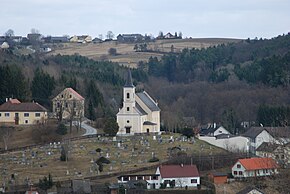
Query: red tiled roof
point(175, 171)
point(75, 93)
point(22, 107)
point(258, 163)
point(14, 101)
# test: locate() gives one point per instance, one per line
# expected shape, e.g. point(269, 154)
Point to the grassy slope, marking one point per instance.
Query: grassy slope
point(127, 55)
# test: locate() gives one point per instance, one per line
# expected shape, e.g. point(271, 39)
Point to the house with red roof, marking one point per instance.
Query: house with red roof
point(254, 167)
point(22, 113)
point(68, 103)
point(179, 175)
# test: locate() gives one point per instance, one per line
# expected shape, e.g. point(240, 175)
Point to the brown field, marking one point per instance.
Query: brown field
point(82, 156)
point(126, 54)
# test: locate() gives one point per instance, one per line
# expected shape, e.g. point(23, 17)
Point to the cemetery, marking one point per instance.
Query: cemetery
point(96, 156)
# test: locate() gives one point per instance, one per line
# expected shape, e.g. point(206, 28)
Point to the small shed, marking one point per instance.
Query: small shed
point(218, 177)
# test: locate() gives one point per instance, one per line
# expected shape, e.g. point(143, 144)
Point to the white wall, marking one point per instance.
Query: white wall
point(220, 130)
point(233, 144)
point(182, 182)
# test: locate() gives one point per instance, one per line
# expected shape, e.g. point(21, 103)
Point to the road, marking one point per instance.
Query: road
point(89, 129)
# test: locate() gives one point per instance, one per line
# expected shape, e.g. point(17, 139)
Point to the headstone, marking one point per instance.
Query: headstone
point(107, 155)
point(154, 137)
point(115, 138)
point(119, 144)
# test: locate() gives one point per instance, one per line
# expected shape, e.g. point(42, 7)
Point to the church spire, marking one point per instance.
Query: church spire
point(129, 82)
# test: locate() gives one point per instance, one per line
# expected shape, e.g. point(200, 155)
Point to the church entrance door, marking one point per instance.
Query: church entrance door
point(128, 129)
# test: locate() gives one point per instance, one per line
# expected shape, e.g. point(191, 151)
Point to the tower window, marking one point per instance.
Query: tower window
point(128, 108)
point(128, 121)
point(128, 95)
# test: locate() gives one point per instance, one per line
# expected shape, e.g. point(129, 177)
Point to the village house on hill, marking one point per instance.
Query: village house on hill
point(15, 112)
point(68, 103)
point(254, 167)
point(139, 114)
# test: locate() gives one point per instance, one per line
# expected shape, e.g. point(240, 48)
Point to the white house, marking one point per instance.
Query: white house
point(139, 114)
point(179, 175)
point(152, 180)
point(258, 135)
point(213, 131)
point(254, 167)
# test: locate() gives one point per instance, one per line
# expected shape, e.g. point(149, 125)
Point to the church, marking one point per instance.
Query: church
point(139, 114)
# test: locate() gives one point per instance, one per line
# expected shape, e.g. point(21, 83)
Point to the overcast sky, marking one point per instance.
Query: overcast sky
point(194, 18)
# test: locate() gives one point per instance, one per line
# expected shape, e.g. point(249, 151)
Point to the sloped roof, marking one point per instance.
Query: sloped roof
point(258, 163)
point(267, 147)
point(140, 109)
point(176, 171)
point(75, 93)
point(247, 190)
point(253, 132)
point(22, 107)
point(144, 97)
point(149, 123)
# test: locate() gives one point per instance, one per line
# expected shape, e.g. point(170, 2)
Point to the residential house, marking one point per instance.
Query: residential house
point(258, 135)
point(81, 39)
point(130, 38)
point(15, 112)
point(280, 153)
point(139, 114)
point(179, 175)
point(169, 175)
point(97, 40)
point(67, 104)
point(213, 130)
point(152, 180)
point(169, 36)
point(254, 167)
point(56, 39)
point(250, 190)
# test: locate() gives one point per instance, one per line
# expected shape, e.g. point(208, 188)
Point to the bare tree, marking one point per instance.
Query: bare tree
point(9, 33)
point(110, 35)
point(5, 133)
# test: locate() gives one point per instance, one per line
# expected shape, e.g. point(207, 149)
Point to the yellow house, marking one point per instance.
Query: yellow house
point(27, 113)
point(68, 104)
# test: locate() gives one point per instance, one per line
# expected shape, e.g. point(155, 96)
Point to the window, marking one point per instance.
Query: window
point(26, 114)
point(37, 114)
point(282, 157)
point(193, 180)
point(266, 170)
point(0, 114)
point(238, 166)
point(70, 96)
point(7, 114)
point(128, 121)
point(139, 178)
point(58, 104)
point(154, 178)
point(128, 109)
point(235, 172)
point(62, 96)
point(128, 95)
point(66, 105)
point(240, 172)
point(125, 178)
point(26, 121)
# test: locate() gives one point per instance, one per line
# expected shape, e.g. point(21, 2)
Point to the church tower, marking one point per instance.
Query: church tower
point(129, 94)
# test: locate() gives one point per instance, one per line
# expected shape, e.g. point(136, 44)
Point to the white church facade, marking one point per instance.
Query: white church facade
point(139, 114)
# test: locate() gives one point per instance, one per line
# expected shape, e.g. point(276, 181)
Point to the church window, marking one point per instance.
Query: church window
point(128, 121)
point(128, 108)
point(128, 95)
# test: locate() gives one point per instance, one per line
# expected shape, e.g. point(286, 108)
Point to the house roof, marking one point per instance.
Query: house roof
point(209, 130)
point(140, 109)
point(149, 123)
point(75, 93)
point(15, 105)
point(148, 101)
point(247, 190)
point(253, 132)
point(258, 163)
point(267, 147)
point(175, 171)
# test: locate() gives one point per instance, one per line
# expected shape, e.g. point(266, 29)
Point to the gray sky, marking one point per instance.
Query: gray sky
point(194, 18)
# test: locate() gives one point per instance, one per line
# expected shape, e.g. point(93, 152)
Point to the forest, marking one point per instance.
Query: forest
point(228, 84)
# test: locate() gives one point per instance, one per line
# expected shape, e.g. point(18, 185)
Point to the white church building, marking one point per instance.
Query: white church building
point(139, 114)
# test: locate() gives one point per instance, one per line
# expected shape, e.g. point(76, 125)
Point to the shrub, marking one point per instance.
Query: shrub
point(112, 51)
point(103, 160)
point(154, 159)
point(98, 150)
point(61, 129)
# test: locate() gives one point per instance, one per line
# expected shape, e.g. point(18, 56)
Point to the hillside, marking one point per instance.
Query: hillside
point(128, 56)
point(226, 84)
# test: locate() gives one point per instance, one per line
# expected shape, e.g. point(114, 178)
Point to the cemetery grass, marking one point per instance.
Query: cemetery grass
point(82, 156)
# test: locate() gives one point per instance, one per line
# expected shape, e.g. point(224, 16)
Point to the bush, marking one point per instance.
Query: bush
point(61, 129)
point(103, 160)
point(112, 51)
point(154, 159)
point(98, 150)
